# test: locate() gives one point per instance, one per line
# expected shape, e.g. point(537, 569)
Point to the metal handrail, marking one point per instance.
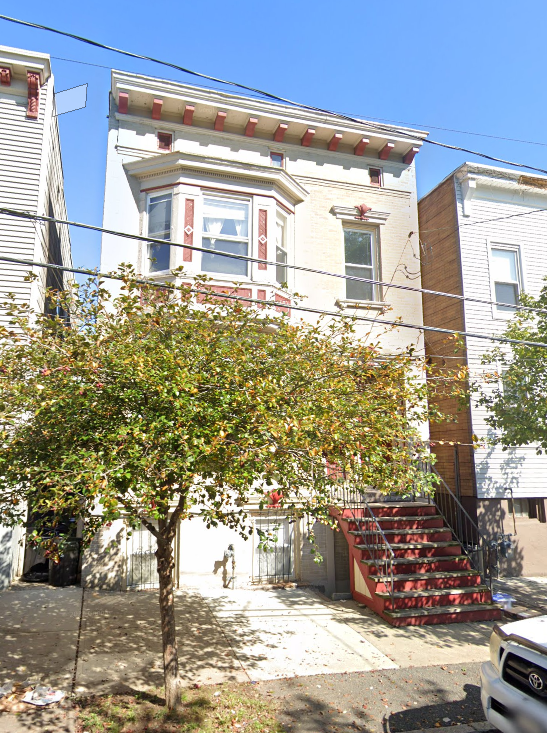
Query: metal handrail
point(473, 543)
point(374, 540)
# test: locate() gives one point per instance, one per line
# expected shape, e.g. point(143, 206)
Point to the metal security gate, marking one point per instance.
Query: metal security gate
point(274, 564)
point(141, 560)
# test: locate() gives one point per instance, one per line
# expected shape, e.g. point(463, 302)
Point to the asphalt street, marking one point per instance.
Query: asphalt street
point(394, 700)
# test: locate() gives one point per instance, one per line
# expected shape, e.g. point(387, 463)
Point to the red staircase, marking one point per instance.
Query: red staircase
point(406, 565)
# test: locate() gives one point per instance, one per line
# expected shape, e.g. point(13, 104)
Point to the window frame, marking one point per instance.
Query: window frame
point(381, 172)
point(165, 132)
point(497, 313)
point(277, 152)
point(283, 219)
point(235, 198)
point(149, 196)
point(375, 251)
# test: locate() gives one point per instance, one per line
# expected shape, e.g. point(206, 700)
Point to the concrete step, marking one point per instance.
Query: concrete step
point(393, 509)
point(443, 615)
point(427, 581)
point(437, 598)
point(424, 564)
point(407, 522)
point(428, 534)
point(417, 549)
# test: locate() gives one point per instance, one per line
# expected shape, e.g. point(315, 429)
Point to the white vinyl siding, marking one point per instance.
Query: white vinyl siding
point(519, 469)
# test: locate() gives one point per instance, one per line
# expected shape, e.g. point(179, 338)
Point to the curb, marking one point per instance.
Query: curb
point(471, 728)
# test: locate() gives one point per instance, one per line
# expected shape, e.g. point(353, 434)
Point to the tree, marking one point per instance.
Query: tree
point(159, 401)
point(517, 397)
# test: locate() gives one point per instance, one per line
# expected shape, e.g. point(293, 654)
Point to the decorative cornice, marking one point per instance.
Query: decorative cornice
point(359, 213)
point(277, 178)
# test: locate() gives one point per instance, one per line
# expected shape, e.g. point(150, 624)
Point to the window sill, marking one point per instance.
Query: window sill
point(371, 305)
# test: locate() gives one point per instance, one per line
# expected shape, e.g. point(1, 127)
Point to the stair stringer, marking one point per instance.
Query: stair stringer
point(374, 602)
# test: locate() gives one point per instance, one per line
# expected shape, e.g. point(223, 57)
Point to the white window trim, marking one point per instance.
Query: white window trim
point(376, 271)
point(510, 247)
point(146, 248)
point(251, 238)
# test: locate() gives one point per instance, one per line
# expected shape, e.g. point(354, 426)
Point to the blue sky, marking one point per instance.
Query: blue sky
point(475, 65)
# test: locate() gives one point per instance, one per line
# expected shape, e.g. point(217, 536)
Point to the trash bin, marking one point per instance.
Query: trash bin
point(65, 572)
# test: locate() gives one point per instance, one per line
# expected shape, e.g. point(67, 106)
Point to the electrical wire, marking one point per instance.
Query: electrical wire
point(268, 95)
point(246, 258)
point(276, 304)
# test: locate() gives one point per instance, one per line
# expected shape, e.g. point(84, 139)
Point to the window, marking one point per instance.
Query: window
point(225, 229)
point(360, 258)
point(520, 507)
point(505, 277)
point(277, 160)
point(159, 227)
point(280, 251)
point(375, 175)
point(165, 140)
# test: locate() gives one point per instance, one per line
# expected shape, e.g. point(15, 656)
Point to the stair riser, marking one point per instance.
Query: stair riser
point(447, 618)
point(431, 583)
point(402, 538)
point(437, 601)
point(402, 524)
point(420, 552)
point(430, 567)
point(404, 511)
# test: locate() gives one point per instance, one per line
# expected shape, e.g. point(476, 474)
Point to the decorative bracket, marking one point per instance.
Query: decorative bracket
point(469, 188)
point(5, 76)
point(33, 83)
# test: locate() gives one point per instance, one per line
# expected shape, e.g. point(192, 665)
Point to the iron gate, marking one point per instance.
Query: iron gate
point(275, 563)
point(142, 570)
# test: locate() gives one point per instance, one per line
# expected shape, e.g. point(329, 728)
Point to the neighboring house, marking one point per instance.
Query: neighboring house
point(483, 232)
point(235, 174)
point(31, 180)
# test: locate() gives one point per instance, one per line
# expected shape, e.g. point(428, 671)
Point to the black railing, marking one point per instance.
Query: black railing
point(464, 528)
point(373, 540)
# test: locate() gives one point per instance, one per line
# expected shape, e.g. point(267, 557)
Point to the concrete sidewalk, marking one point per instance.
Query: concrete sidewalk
point(224, 636)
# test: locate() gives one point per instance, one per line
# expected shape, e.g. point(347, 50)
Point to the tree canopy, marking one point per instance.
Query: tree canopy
point(159, 401)
point(517, 393)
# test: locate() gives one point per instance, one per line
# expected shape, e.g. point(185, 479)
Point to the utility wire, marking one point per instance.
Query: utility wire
point(278, 305)
point(268, 95)
point(246, 258)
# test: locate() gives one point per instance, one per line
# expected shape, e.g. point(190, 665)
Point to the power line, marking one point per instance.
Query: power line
point(278, 305)
point(268, 95)
point(246, 258)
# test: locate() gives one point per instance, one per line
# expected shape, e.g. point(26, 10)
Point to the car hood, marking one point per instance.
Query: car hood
point(532, 629)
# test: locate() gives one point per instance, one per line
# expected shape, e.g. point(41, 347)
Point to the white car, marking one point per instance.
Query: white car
point(514, 681)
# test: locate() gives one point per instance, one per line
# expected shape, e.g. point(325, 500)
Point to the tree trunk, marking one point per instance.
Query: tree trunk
point(165, 561)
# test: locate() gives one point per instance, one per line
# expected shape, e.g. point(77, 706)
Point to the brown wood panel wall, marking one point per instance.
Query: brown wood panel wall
point(441, 270)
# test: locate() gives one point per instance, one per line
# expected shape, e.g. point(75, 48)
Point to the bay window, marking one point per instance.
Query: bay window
point(360, 261)
point(225, 229)
point(159, 227)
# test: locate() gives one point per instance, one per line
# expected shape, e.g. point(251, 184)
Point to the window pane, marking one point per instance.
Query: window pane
point(357, 290)
point(506, 293)
point(280, 272)
point(159, 255)
point(504, 265)
point(159, 216)
point(277, 160)
point(159, 227)
point(226, 217)
point(358, 247)
point(217, 263)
